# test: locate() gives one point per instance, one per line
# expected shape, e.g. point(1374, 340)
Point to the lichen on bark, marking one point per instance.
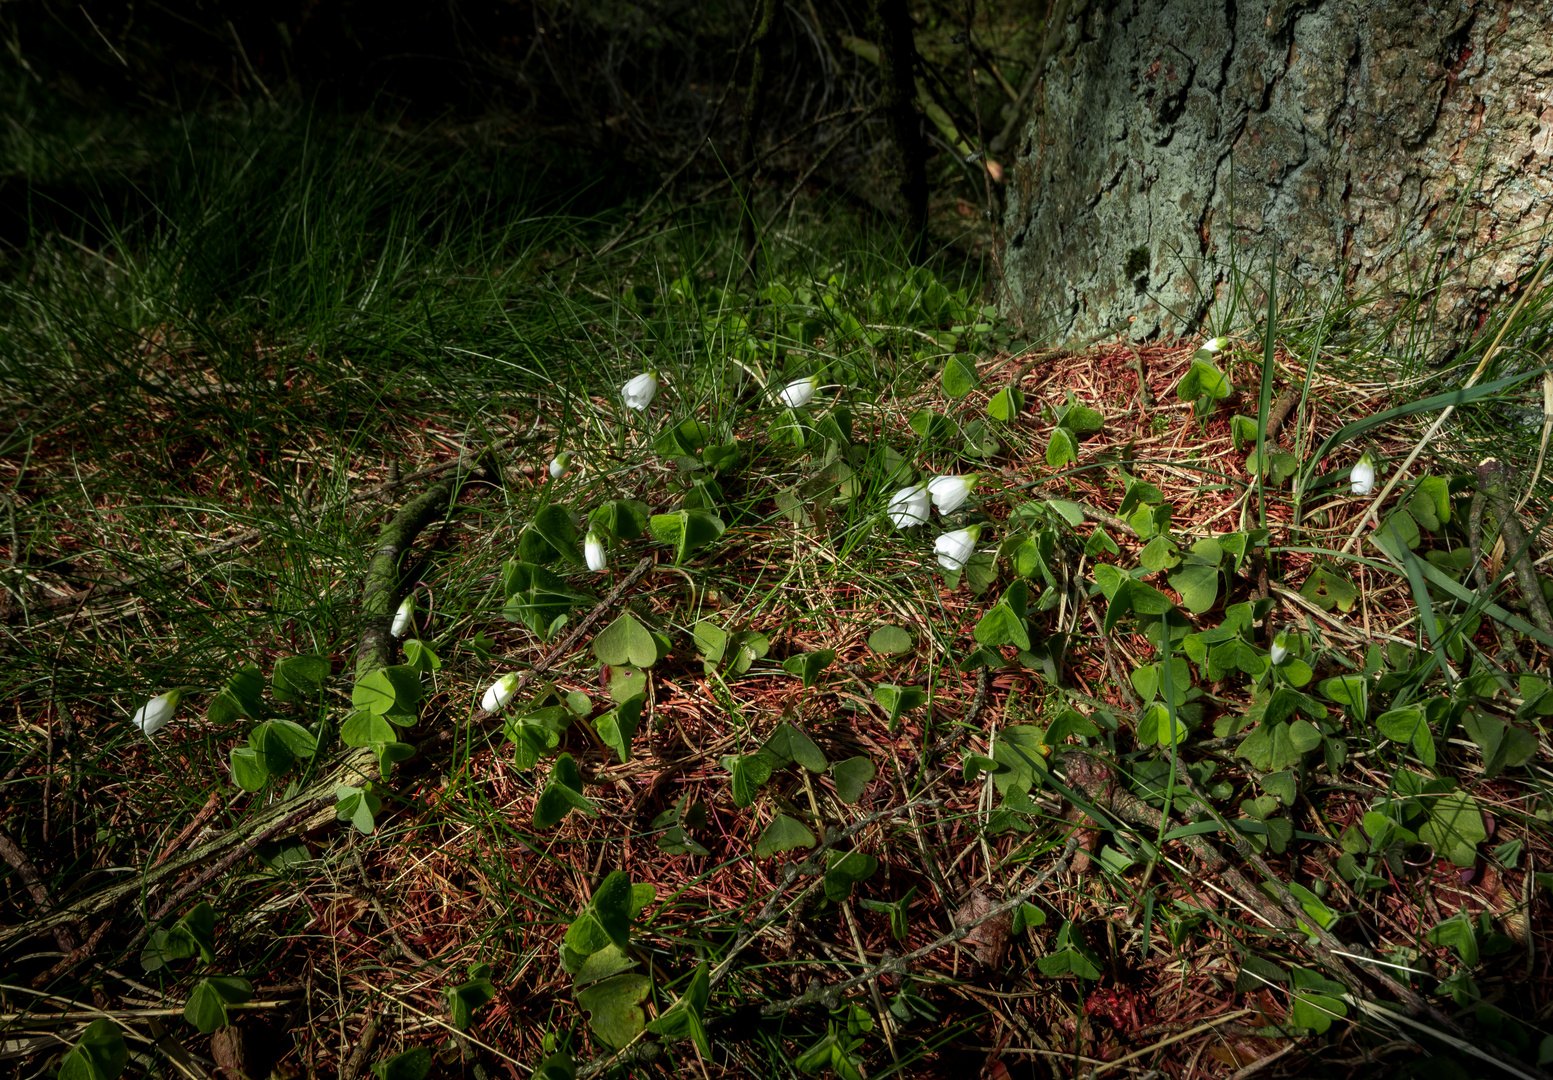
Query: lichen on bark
point(1400, 155)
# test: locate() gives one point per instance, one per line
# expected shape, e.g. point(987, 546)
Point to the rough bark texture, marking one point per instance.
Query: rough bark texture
point(1376, 147)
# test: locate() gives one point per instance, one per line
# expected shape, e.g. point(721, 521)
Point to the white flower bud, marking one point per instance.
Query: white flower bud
point(154, 714)
point(909, 507)
point(639, 392)
point(956, 548)
point(950, 492)
point(1280, 650)
point(404, 618)
point(1215, 345)
point(499, 693)
point(593, 551)
point(560, 465)
point(799, 392)
point(1362, 480)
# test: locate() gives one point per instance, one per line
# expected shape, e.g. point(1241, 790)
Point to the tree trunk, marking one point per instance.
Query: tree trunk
point(1397, 154)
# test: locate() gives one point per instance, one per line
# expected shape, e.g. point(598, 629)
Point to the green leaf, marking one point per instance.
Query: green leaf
point(1198, 584)
point(1203, 379)
point(536, 597)
point(412, 1064)
point(1328, 589)
point(852, 776)
point(626, 682)
point(1409, 726)
point(1458, 933)
point(614, 1013)
point(783, 834)
point(1156, 727)
point(558, 1066)
point(889, 641)
point(357, 805)
point(1316, 1004)
point(748, 646)
point(391, 692)
point(464, 999)
point(241, 699)
point(363, 728)
point(298, 677)
point(711, 642)
point(686, 531)
point(1001, 626)
point(897, 911)
point(1430, 504)
point(611, 906)
point(895, 700)
point(1080, 419)
point(618, 726)
point(788, 743)
point(200, 926)
point(1069, 956)
point(248, 769)
point(750, 773)
point(1006, 404)
point(99, 1054)
point(1021, 752)
point(1455, 827)
point(626, 641)
point(684, 439)
point(1061, 448)
point(207, 1004)
point(685, 1018)
point(620, 519)
point(390, 754)
point(808, 666)
point(847, 870)
point(1350, 691)
point(599, 964)
point(297, 740)
point(930, 425)
point(959, 378)
point(562, 794)
point(421, 656)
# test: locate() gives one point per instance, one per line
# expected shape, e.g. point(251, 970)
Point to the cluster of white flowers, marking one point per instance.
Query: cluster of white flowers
point(909, 508)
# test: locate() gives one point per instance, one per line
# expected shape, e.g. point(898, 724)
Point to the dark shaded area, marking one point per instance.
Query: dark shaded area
point(607, 97)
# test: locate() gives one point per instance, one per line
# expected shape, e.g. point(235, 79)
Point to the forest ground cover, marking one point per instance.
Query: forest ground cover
point(1201, 767)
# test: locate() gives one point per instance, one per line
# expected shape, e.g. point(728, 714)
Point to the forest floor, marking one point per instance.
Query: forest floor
point(1191, 768)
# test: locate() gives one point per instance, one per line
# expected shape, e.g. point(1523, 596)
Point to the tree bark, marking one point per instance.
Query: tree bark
point(1395, 154)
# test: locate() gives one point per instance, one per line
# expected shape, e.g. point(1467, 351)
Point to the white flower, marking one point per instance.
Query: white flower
point(955, 548)
point(909, 507)
point(1362, 479)
point(499, 693)
point(560, 465)
point(799, 392)
point(404, 618)
point(639, 392)
point(154, 714)
point(1215, 345)
point(949, 492)
point(1280, 651)
point(593, 551)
